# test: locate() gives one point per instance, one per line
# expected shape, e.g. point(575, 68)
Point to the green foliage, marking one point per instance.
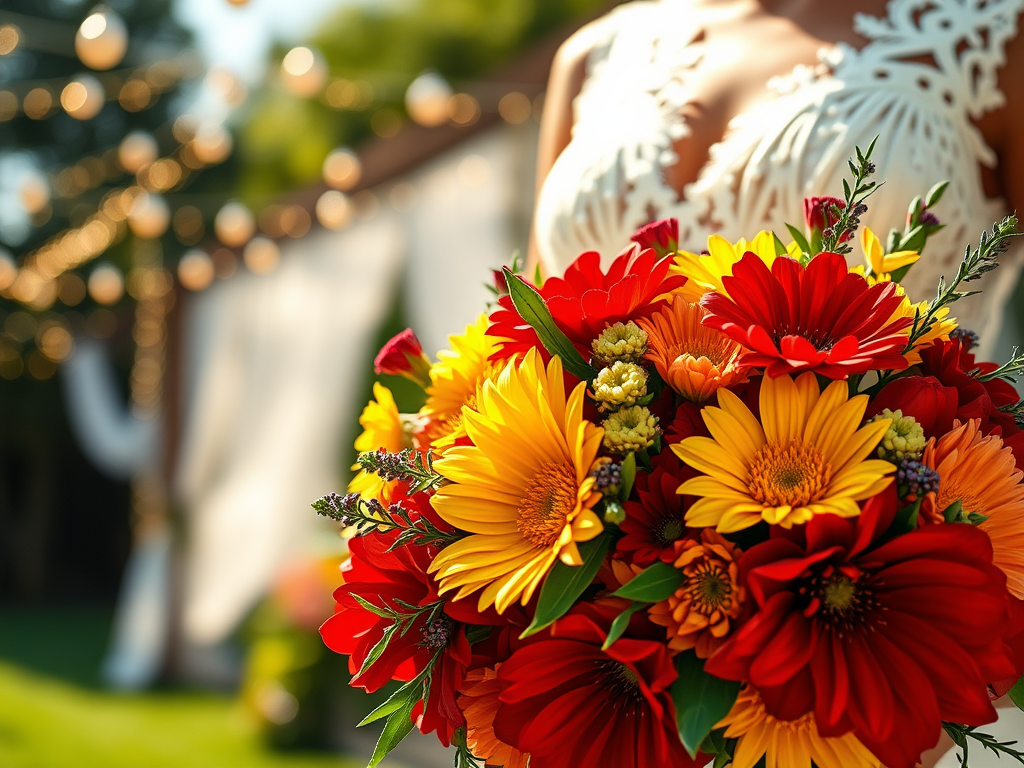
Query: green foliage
point(655, 583)
point(701, 700)
point(962, 735)
point(1017, 694)
point(566, 583)
point(621, 624)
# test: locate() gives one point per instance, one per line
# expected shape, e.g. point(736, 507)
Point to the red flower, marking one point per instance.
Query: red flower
point(869, 634)
point(567, 703)
point(654, 523)
point(403, 356)
point(819, 318)
point(662, 236)
point(950, 362)
point(924, 397)
point(395, 580)
point(586, 300)
point(818, 214)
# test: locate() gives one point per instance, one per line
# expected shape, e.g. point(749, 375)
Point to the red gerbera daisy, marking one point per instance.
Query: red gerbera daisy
point(395, 580)
point(567, 702)
point(654, 522)
point(820, 318)
point(870, 634)
point(586, 300)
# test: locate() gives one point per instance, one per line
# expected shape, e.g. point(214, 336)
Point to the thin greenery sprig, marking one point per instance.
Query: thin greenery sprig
point(847, 217)
point(1009, 370)
point(351, 510)
point(464, 758)
point(961, 734)
point(407, 464)
point(1016, 410)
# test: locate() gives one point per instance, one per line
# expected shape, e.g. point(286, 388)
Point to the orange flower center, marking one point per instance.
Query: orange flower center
point(716, 348)
point(708, 588)
point(789, 474)
point(550, 497)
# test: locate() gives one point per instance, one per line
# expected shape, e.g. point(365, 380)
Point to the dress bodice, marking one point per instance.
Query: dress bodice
point(929, 68)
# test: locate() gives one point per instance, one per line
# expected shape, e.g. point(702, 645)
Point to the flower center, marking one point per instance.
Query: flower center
point(789, 474)
point(619, 680)
point(548, 501)
point(667, 530)
point(843, 598)
point(708, 588)
point(437, 632)
point(714, 347)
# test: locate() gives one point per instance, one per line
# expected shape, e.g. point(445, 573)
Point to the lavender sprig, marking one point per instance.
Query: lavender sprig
point(352, 511)
point(847, 218)
point(407, 464)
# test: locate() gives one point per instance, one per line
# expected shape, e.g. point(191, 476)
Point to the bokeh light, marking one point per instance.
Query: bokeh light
point(234, 225)
point(136, 150)
point(83, 97)
point(303, 71)
point(195, 270)
point(106, 284)
point(333, 210)
point(149, 216)
point(342, 169)
point(426, 99)
point(261, 255)
point(102, 40)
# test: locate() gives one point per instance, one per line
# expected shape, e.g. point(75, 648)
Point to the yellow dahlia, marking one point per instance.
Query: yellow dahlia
point(807, 456)
point(980, 473)
point(693, 359)
point(382, 428)
point(454, 381)
point(704, 272)
point(522, 489)
point(880, 263)
point(787, 743)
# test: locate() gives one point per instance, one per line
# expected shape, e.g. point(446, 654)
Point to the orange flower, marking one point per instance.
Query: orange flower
point(479, 703)
point(698, 614)
point(692, 359)
point(981, 474)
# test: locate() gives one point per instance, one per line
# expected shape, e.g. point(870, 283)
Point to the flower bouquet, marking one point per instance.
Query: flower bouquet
point(743, 507)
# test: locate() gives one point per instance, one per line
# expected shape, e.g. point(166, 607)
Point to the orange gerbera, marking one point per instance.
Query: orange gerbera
point(700, 612)
point(692, 359)
point(787, 743)
point(478, 701)
point(980, 473)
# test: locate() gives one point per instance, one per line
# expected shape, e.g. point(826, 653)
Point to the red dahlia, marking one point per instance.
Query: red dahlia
point(586, 300)
point(567, 703)
point(654, 523)
point(820, 318)
point(396, 580)
point(870, 634)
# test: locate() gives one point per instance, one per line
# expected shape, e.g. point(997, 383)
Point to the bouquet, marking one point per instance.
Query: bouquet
point(742, 507)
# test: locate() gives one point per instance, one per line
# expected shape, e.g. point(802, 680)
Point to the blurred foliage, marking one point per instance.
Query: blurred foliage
point(385, 44)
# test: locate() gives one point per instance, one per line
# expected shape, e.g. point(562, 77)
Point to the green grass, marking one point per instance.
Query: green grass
point(54, 714)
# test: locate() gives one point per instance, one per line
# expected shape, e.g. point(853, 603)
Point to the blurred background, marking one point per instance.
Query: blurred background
point(212, 213)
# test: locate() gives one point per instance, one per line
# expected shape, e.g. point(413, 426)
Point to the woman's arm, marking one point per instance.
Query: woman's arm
point(568, 71)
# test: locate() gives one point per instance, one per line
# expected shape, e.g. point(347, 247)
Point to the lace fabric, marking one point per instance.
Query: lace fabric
point(928, 68)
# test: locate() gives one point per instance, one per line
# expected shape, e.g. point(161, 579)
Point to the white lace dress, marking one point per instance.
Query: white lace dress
point(609, 180)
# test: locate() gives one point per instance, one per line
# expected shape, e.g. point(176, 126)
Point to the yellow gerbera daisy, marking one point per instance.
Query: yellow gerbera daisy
point(454, 381)
point(880, 262)
point(787, 743)
point(382, 428)
point(522, 489)
point(806, 457)
point(705, 271)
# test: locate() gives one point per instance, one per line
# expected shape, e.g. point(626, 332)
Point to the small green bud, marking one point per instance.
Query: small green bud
point(623, 341)
point(614, 513)
point(903, 440)
point(620, 385)
point(630, 429)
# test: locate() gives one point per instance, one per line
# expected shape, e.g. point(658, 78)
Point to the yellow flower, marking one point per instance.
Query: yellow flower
point(693, 359)
point(879, 262)
point(382, 428)
point(939, 331)
point(522, 489)
point(454, 381)
point(705, 271)
point(806, 457)
point(787, 743)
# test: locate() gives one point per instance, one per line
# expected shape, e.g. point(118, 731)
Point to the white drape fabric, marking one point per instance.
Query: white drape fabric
point(929, 67)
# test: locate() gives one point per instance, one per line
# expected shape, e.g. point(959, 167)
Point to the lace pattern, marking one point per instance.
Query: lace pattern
point(928, 68)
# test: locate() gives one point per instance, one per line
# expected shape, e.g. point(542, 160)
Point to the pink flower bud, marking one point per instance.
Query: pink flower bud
point(403, 356)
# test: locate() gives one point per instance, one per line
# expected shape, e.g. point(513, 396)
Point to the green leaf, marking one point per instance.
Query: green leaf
point(935, 194)
point(533, 310)
point(780, 247)
point(1017, 694)
point(412, 690)
point(905, 521)
point(655, 583)
point(799, 239)
point(701, 700)
point(627, 475)
point(566, 583)
point(954, 513)
point(620, 624)
point(398, 726)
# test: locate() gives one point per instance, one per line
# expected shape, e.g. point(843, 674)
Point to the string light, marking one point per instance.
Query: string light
point(234, 225)
point(72, 289)
point(55, 341)
point(106, 284)
point(83, 97)
point(333, 210)
point(149, 216)
point(195, 270)
point(8, 270)
point(515, 108)
point(261, 255)
point(342, 169)
point(37, 103)
point(303, 71)
point(137, 149)
point(463, 109)
point(102, 40)
point(426, 99)
point(10, 36)
point(212, 144)
point(34, 193)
